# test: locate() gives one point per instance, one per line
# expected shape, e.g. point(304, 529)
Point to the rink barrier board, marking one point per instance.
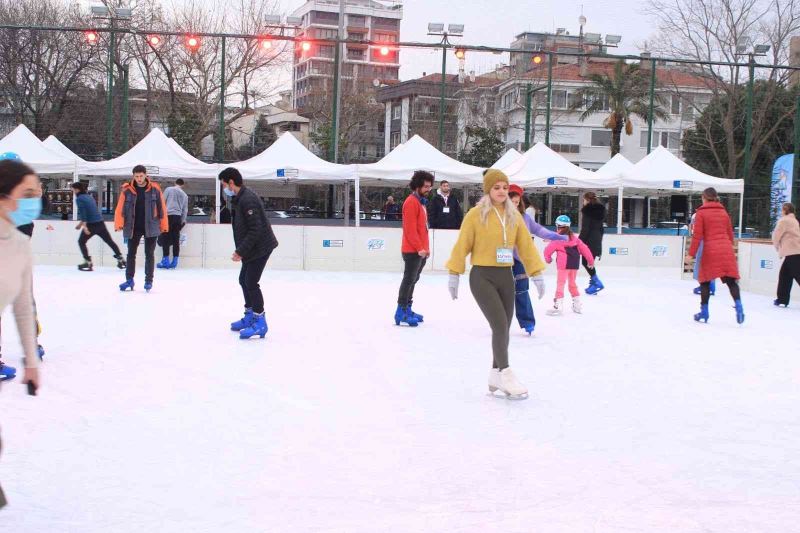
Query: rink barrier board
point(335, 248)
point(759, 266)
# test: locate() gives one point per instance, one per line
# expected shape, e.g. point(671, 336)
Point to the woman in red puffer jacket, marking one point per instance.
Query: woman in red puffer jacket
point(713, 228)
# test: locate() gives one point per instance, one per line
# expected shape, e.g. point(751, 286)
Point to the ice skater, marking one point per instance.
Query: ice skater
point(696, 269)
point(91, 224)
point(489, 233)
point(522, 300)
point(593, 215)
point(415, 248)
point(786, 239)
point(140, 212)
point(714, 230)
point(568, 260)
point(20, 203)
point(177, 203)
point(254, 241)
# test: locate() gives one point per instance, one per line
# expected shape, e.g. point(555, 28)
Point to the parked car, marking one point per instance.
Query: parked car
point(300, 211)
point(198, 212)
point(277, 214)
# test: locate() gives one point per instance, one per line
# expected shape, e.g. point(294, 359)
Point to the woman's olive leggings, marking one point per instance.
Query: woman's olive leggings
point(493, 289)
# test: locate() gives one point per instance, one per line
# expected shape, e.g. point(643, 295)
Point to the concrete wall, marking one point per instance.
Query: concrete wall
point(366, 249)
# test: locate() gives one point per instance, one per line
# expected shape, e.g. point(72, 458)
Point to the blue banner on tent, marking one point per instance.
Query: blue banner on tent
point(781, 191)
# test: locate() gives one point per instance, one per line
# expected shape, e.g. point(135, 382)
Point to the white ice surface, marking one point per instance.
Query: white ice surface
point(153, 417)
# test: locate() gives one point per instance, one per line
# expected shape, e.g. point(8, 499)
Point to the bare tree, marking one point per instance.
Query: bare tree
point(709, 30)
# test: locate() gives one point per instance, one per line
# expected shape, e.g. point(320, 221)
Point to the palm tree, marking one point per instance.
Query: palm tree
point(622, 95)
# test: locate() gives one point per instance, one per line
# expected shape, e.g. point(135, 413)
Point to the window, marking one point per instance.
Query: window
point(396, 112)
point(687, 113)
point(490, 107)
point(379, 150)
point(605, 105)
point(362, 127)
point(601, 137)
point(559, 100)
point(667, 139)
point(394, 140)
point(357, 21)
point(381, 127)
point(385, 38)
point(674, 140)
point(675, 108)
point(508, 99)
point(355, 54)
point(574, 101)
point(157, 124)
point(380, 23)
point(362, 151)
point(325, 50)
point(566, 148)
point(327, 34)
point(325, 17)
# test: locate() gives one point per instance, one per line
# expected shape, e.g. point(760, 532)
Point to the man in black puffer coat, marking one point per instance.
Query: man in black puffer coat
point(255, 241)
point(593, 215)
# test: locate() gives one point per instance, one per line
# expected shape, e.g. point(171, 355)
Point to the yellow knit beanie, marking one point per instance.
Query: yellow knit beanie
point(492, 176)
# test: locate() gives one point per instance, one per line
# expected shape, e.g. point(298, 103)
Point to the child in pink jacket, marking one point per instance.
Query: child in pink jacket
point(568, 260)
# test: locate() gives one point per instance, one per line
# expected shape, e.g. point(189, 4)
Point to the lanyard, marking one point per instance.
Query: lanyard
point(502, 223)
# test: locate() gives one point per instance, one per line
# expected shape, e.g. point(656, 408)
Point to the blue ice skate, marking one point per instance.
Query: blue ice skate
point(419, 318)
point(739, 312)
point(778, 303)
point(164, 263)
point(173, 264)
point(7, 372)
point(148, 285)
point(595, 285)
point(402, 315)
point(702, 315)
point(244, 322)
point(257, 327)
point(528, 328)
point(127, 285)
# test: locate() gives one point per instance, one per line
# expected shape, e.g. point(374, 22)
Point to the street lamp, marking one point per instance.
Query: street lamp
point(743, 48)
point(453, 30)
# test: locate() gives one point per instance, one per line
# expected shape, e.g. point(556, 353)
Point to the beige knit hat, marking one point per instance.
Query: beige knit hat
point(492, 176)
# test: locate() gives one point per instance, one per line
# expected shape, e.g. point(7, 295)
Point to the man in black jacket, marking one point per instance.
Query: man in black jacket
point(255, 241)
point(444, 211)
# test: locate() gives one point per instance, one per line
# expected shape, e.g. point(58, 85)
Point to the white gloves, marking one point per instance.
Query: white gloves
point(538, 280)
point(452, 286)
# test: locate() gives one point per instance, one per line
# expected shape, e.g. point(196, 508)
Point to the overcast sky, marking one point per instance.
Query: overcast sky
point(496, 22)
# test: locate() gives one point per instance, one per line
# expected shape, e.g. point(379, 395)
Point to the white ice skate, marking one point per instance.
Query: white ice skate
point(577, 307)
point(557, 307)
point(507, 383)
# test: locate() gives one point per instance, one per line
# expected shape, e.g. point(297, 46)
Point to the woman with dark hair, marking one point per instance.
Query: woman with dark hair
point(91, 224)
point(593, 215)
point(786, 239)
point(713, 228)
point(20, 203)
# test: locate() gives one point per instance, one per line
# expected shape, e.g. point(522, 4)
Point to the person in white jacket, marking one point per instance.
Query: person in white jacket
point(20, 203)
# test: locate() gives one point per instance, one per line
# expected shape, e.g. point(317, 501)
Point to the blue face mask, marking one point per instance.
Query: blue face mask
point(28, 210)
point(229, 193)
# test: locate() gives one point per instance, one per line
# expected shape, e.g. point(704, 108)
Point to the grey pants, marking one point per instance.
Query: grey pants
point(493, 289)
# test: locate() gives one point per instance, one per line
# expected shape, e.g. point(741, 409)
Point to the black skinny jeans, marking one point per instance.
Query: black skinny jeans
point(149, 255)
point(790, 271)
point(99, 229)
point(249, 276)
point(705, 290)
point(173, 237)
point(413, 270)
point(590, 270)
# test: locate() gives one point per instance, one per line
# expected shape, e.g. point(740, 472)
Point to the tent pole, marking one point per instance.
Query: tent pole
point(741, 212)
point(75, 197)
point(619, 211)
point(346, 203)
point(216, 201)
point(358, 201)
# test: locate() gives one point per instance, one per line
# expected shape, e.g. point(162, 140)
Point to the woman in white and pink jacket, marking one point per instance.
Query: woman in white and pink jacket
point(568, 260)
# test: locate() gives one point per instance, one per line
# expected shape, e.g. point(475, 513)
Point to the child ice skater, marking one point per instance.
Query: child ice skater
point(568, 259)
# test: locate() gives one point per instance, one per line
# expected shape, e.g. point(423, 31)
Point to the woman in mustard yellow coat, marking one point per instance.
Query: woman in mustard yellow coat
point(489, 233)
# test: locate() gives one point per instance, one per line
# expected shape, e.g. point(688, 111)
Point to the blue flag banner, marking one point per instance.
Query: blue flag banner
point(781, 191)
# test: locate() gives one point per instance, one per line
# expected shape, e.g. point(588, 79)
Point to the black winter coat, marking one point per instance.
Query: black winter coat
point(438, 219)
point(592, 227)
point(252, 232)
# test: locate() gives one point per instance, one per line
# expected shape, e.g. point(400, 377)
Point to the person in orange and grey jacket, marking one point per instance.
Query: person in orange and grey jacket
point(416, 246)
point(141, 212)
point(444, 211)
point(786, 239)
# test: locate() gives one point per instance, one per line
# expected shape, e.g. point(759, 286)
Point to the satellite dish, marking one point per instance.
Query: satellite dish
point(376, 82)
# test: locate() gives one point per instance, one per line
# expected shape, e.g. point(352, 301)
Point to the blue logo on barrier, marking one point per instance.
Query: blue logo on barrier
point(618, 251)
point(766, 264)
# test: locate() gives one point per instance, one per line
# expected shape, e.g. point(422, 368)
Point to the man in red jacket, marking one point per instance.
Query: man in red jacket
point(416, 247)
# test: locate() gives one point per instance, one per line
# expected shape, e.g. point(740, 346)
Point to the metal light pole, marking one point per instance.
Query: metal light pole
point(441, 96)
point(528, 111)
point(748, 135)
point(221, 124)
point(337, 80)
point(109, 95)
point(651, 106)
point(549, 97)
point(125, 108)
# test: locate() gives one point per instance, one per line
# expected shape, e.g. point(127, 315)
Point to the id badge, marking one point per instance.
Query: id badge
point(446, 210)
point(505, 256)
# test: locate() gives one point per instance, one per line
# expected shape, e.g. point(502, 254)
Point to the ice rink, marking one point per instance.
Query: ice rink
point(154, 417)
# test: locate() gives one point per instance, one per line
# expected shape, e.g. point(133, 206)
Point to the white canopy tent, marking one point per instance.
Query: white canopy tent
point(661, 172)
point(35, 154)
point(58, 147)
point(507, 158)
point(616, 168)
point(542, 168)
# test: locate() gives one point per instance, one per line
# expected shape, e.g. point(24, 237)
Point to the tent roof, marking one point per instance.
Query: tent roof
point(34, 153)
point(288, 159)
point(541, 167)
point(507, 158)
point(661, 170)
point(58, 147)
point(615, 168)
point(159, 154)
point(418, 154)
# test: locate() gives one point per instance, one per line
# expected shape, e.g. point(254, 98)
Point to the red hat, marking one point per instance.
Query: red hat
point(515, 189)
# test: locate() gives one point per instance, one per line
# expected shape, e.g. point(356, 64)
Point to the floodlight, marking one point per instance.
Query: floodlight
point(272, 19)
point(123, 12)
point(100, 11)
point(435, 27)
point(294, 21)
point(613, 39)
point(592, 37)
point(761, 49)
point(455, 29)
